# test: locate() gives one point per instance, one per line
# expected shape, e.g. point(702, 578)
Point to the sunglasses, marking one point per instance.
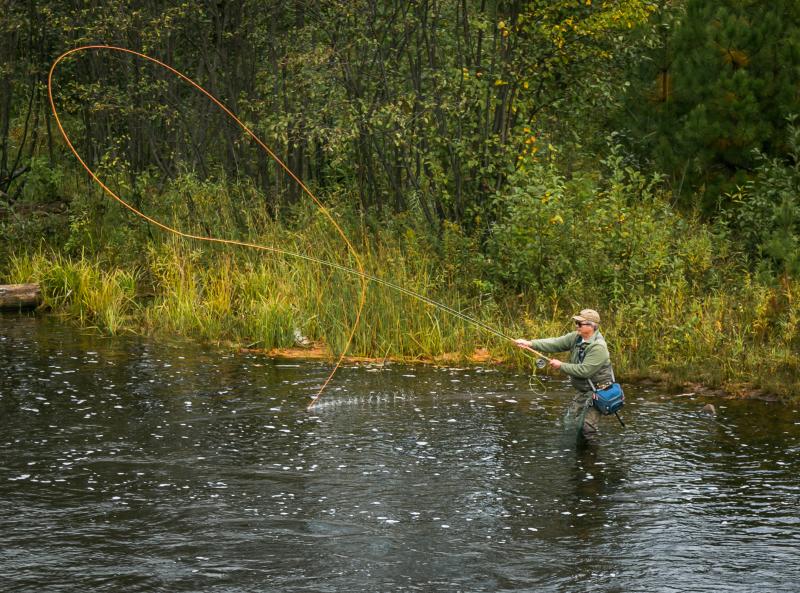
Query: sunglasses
point(582, 323)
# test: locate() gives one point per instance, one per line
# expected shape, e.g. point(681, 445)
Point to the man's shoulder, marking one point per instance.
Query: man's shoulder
point(598, 340)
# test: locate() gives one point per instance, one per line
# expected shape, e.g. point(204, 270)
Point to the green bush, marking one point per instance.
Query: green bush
point(766, 213)
point(601, 238)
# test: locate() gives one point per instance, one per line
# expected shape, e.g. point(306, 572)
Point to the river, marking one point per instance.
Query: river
point(132, 464)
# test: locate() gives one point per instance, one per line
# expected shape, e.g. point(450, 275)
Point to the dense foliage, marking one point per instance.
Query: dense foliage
point(418, 106)
point(715, 89)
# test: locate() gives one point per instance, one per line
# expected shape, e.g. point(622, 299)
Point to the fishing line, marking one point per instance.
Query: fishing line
point(359, 272)
point(262, 145)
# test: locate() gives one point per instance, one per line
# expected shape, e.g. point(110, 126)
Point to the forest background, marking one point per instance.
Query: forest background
point(516, 160)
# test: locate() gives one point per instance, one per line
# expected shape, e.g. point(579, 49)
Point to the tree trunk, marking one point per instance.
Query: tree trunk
point(20, 296)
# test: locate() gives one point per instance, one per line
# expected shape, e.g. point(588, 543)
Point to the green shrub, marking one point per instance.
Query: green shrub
point(765, 216)
point(611, 238)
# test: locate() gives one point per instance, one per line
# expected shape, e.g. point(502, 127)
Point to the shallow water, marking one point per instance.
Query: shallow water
point(137, 465)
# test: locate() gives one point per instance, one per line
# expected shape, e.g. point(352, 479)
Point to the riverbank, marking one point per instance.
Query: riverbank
point(318, 351)
point(739, 343)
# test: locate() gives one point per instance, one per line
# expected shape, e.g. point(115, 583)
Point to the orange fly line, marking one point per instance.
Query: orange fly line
point(362, 275)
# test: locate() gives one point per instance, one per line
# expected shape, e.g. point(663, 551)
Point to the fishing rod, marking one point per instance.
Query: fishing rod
point(541, 359)
point(360, 272)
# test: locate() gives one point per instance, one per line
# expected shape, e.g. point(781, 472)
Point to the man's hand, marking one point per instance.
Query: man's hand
point(522, 343)
point(555, 363)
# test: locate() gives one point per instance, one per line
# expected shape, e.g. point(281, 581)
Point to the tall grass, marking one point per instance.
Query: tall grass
point(81, 290)
point(742, 335)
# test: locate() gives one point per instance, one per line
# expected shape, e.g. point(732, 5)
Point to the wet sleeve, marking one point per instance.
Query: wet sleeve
point(596, 357)
point(560, 344)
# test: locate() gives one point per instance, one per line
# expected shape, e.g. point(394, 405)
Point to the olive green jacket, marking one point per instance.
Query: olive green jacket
point(596, 365)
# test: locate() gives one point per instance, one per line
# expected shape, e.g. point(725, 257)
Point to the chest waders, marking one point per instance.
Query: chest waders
point(581, 416)
point(575, 414)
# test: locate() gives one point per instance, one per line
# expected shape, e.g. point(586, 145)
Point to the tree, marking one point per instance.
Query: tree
point(25, 42)
point(719, 88)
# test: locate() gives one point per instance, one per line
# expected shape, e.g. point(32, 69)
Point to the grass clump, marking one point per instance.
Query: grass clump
point(80, 289)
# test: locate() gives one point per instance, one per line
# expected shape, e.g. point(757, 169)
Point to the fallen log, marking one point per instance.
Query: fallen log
point(20, 296)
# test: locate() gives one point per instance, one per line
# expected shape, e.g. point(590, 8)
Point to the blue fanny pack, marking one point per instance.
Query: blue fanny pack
point(609, 400)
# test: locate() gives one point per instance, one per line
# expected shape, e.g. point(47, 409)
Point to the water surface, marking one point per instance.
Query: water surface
point(131, 464)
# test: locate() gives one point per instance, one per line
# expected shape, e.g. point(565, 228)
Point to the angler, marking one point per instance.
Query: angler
point(589, 369)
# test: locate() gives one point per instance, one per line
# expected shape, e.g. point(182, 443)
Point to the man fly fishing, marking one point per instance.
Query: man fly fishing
point(589, 368)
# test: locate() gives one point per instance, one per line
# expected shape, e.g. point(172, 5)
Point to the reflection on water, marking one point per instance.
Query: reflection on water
point(138, 465)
